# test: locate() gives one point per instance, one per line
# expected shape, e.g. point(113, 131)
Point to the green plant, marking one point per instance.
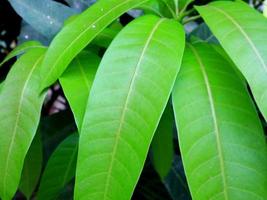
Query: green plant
point(119, 105)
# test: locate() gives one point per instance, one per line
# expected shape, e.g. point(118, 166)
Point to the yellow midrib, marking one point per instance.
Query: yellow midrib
point(118, 133)
point(215, 122)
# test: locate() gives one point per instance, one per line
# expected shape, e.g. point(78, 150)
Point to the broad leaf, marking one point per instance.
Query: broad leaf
point(129, 94)
point(32, 167)
point(77, 81)
point(220, 135)
point(162, 144)
point(78, 34)
point(242, 33)
point(46, 16)
point(105, 37)
point(20, 105)
point(22, 49)
point(60, 169)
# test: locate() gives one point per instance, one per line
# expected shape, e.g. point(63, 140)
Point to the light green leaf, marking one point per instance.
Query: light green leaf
point(60, 169)
point(20, 105)
point(22, 49)
point(77, 81)
point(162, 144)
point(32, 167)
point(128, 96)
point(78, 34)
point(220, 135)
point(242, 33)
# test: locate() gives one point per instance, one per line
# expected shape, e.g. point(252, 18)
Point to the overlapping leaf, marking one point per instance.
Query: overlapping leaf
point(32, 167)
point(221, 138)
point(77, 81)
point(20, 105)
point(46, 16)
point(242, 33)
point(130, 91)
point(22, 49)
point(60, 169)
point(162, 144)
point(78, 34)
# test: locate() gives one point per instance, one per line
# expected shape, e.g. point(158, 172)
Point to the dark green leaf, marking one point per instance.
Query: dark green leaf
point(60, 169)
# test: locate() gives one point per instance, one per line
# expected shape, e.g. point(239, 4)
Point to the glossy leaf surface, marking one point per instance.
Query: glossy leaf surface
point(45, 16)
point(242, 33)
point(20, 105)
point(129, 94)
point(221, 137)
point(78, 34)
point(77, 81)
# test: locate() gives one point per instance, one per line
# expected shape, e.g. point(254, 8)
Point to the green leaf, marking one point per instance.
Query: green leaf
point(105, 37)
point(78, 34)
point(129, 94)
point(45, 16)
point(77, 81)
point(242, 33)
point(220, 135)
point(24, 47)
point(162, 144)
point(20, 105)
point(60, 169)
point(32, 167)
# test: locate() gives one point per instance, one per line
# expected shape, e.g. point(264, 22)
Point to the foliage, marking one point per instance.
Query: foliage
point(158, 111)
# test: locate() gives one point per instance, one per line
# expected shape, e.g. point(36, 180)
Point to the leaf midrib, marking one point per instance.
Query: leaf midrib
point(131, 87)
point(215, 122)
point(84, 31)
point(239, 27)
point(17, 120)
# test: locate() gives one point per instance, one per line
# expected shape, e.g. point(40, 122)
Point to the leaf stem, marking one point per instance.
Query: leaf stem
point(190, 19)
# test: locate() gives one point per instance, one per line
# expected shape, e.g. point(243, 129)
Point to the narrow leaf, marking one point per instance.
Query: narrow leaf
point(78, 34)
point(77, 81)
point(162, 144)
point(220, 135)
point(20, 105)
point(60, 169)
point(129, 94)
point(22, 49)
point(242, 33)
point(32, 167)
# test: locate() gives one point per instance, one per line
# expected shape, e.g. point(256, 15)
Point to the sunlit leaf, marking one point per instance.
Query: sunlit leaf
point(128, 96)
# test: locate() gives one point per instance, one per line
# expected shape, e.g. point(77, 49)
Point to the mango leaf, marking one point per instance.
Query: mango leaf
point(218, 126)
point(22, 49)
point(105, 37)
point(128, 97)
point(242, 33)
point(28, 33)
point(32, 167)
point(203, 33)
point(80, 5)
point(60, 169)
point(20, 105)
point(162, 144)
point(46, 16)
point(175, 181)
point(54, 129)
point(78, 34)
point(77, 81)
